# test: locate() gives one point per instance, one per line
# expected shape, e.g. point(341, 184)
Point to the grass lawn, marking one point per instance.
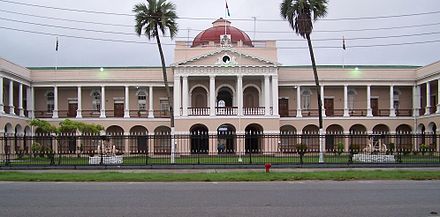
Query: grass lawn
point(221, 159)
point(220, 177)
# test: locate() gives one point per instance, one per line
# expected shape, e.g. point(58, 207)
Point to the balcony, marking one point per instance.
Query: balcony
point(256, 111)
point(226, 111)
point(198, 111)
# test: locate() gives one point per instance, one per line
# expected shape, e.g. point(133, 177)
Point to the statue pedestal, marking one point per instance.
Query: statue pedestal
point(373, 158)
point(107, 160)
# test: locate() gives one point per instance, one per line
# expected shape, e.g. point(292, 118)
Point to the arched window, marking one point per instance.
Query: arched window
point(96, 100)
point(351, 98)
point(50, 101)
point(142, 100)
point(306, 96)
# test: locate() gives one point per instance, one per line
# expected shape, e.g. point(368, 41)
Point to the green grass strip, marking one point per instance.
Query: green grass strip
point(220, 177)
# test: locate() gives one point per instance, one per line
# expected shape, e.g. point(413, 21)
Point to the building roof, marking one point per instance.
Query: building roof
point(219, 27)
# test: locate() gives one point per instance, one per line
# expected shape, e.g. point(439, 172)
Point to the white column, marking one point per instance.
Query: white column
point(416, 100)
point(392, 109)
point(2, 109)
point(267, 95)
point(11, 97)
point(151, 105)
point(322, 101)
point(212, 98)
point(176, 90)
point(438, 99)
point(275, 95)
point(20, 100)
point(79, 97)
point(369, 110)
point(240, 94)
point(346, 111)
point(32, 102)
point(102, 102)
point(185, 96)
point(55, 104)
point(298, 102)
point(29, 102)
point(127, 102)
point(428, 99)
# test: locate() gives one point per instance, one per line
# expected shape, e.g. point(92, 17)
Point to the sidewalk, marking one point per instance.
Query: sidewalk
point(183, 171)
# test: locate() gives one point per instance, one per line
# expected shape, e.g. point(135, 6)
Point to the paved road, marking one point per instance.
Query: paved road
point(303, 199)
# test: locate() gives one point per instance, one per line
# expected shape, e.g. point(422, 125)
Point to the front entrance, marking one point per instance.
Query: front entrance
point(375, 106)
point(329, 106)
point(226, 139)
point(73, 107)
point(119, 110)
point(283, 107)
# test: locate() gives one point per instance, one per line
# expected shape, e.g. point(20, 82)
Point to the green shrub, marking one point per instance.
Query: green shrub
point(340, 148)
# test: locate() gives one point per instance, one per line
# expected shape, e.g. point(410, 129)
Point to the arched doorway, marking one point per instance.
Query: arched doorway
point(381, 132)
point(225, 102)
point(334, 136)
point(226, 95)
point(199, 102)
point(432, 135)
point(253, 138)
point(288, 139)
point(421, 135)
point(18, 140)
point(199, 139)
point(404, 137)
point(358, 137)
point(226, 139)
point(116, 136)
point(251, 101)
point(162, 140)
point(310, 137)
point(138, 140)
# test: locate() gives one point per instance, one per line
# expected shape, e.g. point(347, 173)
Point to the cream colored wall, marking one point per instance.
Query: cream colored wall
point(337, 93)
point(268, 124)
point(95, 75)
point(241, 60)
point(290, 93)
point(383, 96)
point(40, 98)
point(63, 97)
point(14, 69)
point(301, 74)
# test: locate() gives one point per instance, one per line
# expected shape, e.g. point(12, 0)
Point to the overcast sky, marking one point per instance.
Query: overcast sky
point(39, 50)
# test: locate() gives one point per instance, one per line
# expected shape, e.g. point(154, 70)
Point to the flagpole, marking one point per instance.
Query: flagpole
point(343, 52)
point(226, 13)
point(56, 55)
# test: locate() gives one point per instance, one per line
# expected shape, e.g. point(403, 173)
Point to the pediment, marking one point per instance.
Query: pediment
point(226, 57)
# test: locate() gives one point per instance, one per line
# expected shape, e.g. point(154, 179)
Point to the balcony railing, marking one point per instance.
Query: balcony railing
point(139, 114)
point(226, 111)
point(198, 111)
point(288, 113)
point(43, 114)
point(90, 113)
point(358, 112)
point(256, 111)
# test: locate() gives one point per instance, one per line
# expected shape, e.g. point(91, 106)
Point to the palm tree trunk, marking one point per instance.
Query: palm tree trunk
point(165, 79)
point(315, 73)
point(318, 93)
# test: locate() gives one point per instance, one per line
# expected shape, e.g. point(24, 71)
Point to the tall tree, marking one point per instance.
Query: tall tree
point(158, 16)
point(301, 14)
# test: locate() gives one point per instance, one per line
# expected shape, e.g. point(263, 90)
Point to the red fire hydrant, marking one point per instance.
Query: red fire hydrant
point(267, 166)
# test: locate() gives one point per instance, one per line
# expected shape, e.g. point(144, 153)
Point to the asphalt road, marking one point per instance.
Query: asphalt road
point(303, 199)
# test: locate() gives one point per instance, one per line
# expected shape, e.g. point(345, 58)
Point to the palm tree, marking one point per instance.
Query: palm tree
point(300, 14)
point(158, 17)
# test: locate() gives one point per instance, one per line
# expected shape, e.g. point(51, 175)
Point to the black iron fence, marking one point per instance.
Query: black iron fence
point(221, 149)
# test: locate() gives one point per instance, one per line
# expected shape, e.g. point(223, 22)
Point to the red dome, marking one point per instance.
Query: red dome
point(213, 34)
